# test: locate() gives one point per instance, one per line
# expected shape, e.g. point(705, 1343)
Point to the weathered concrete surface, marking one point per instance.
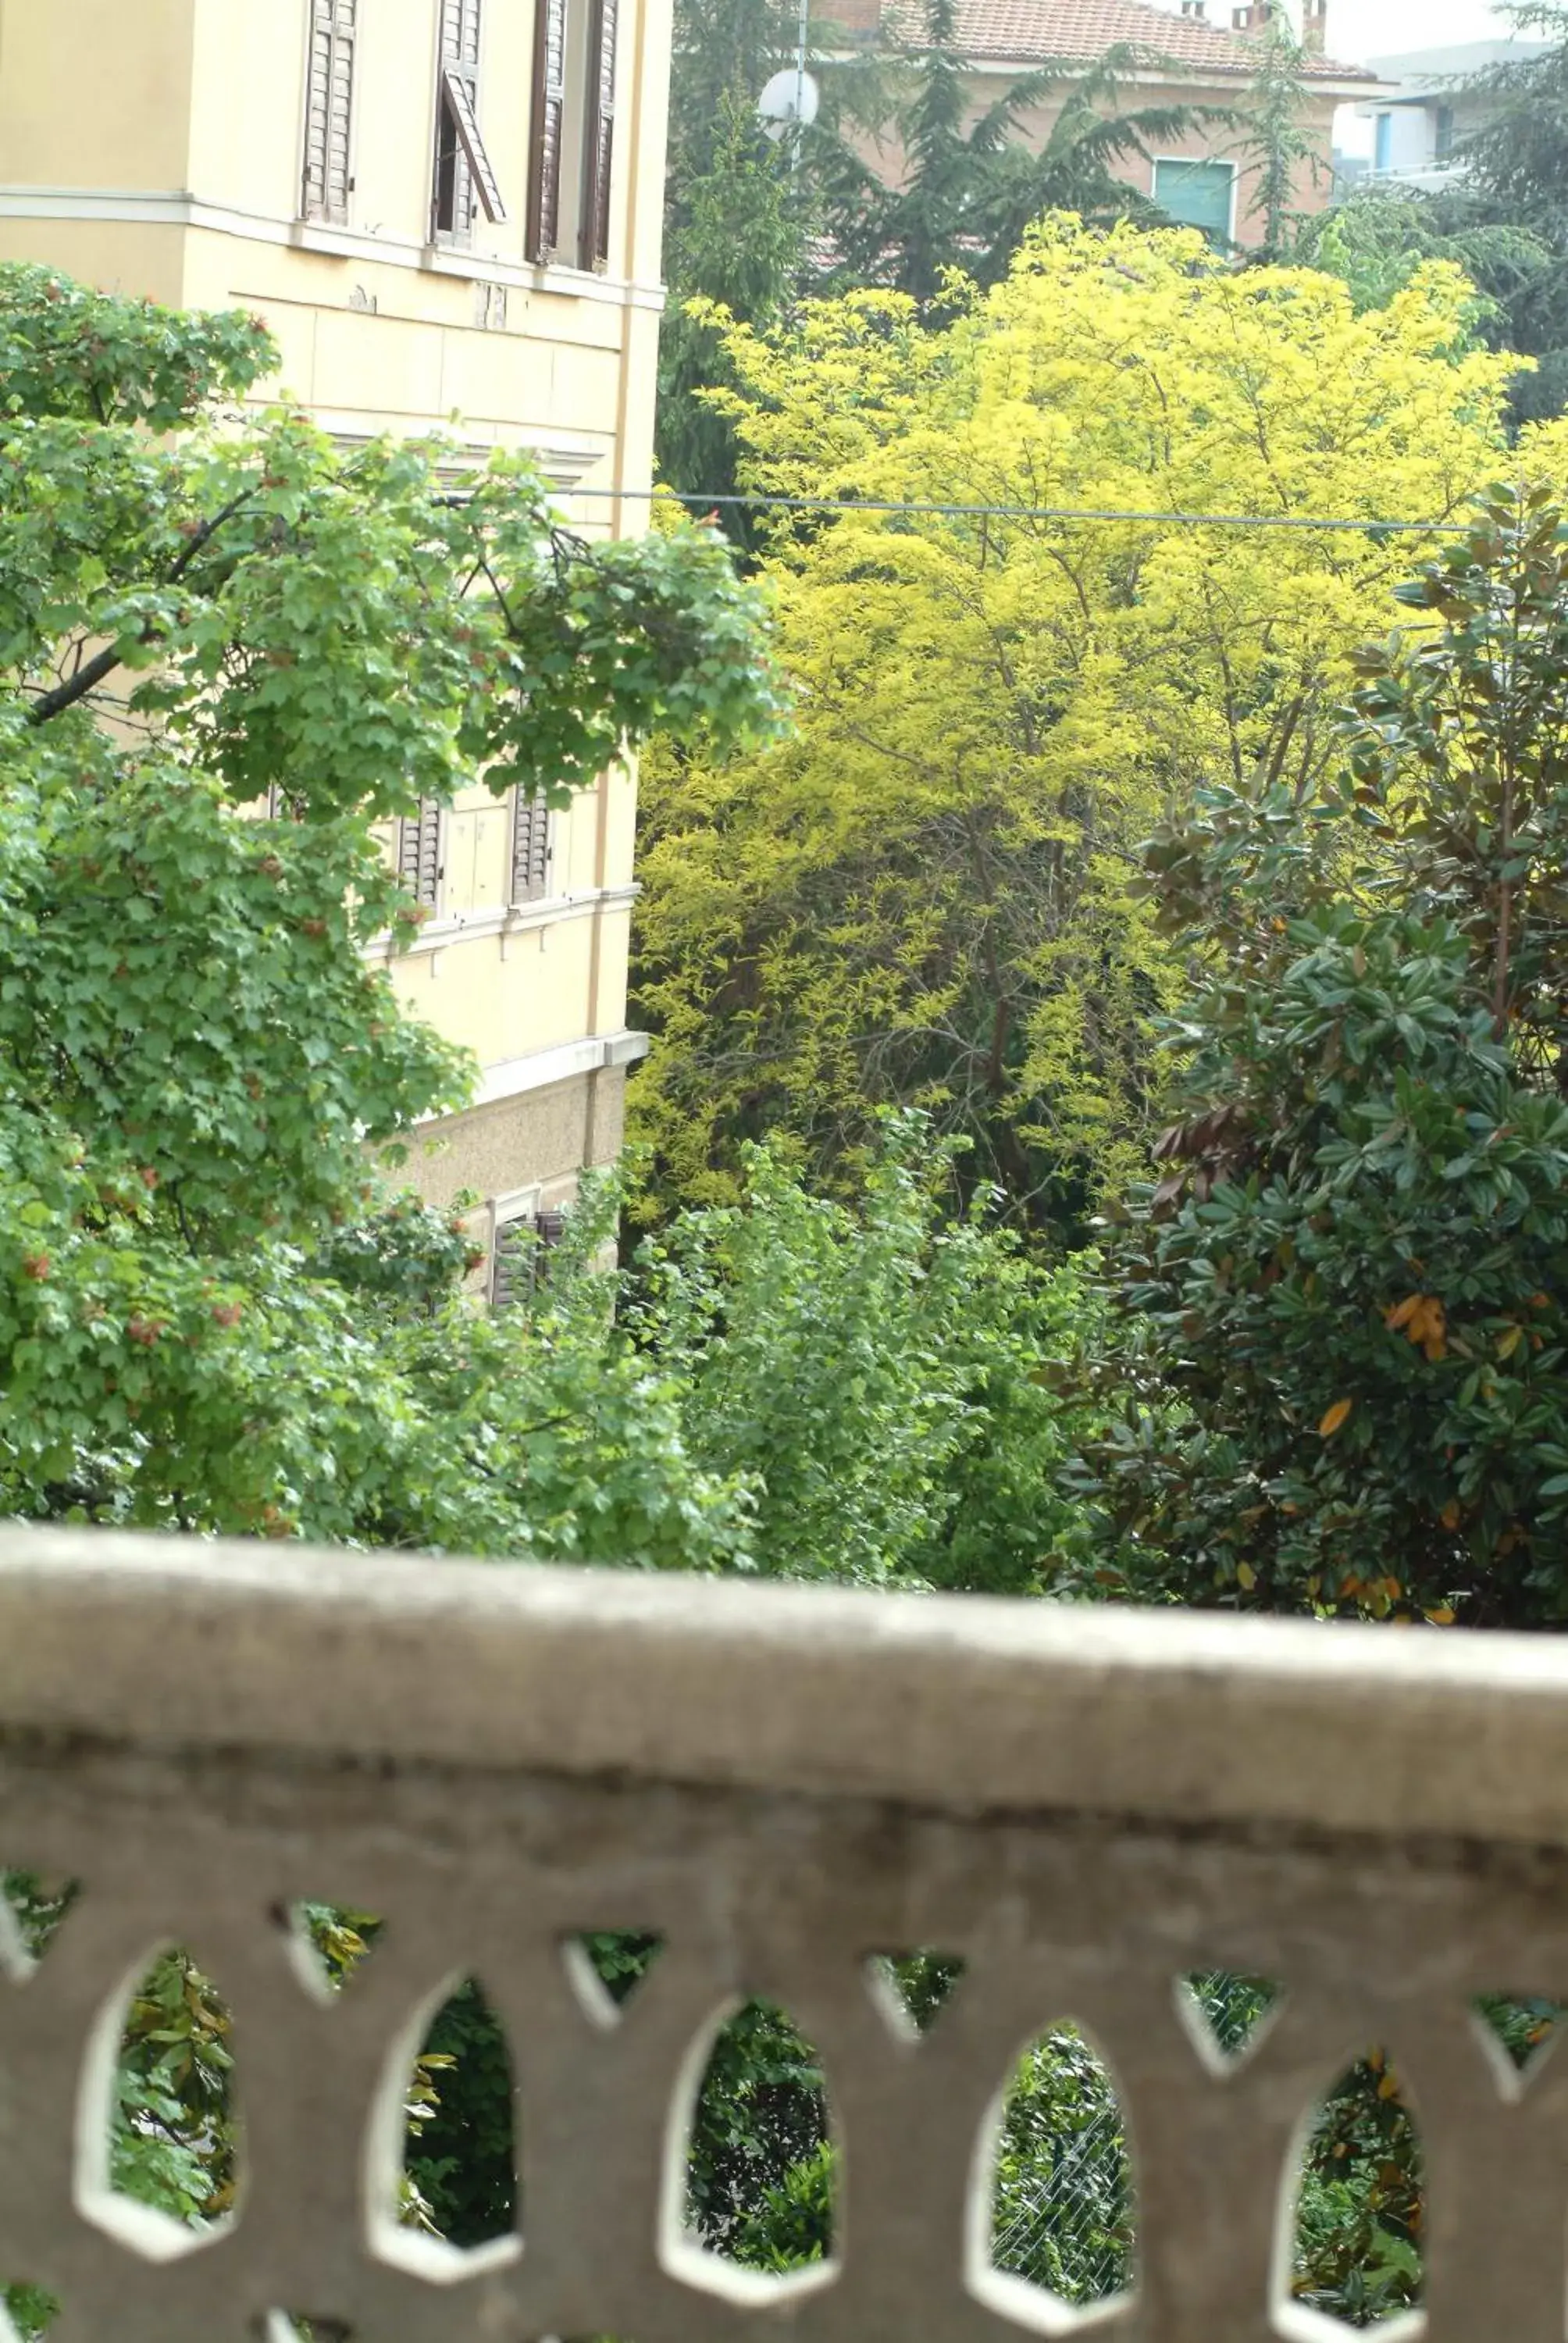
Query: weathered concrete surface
point(1085, 1806)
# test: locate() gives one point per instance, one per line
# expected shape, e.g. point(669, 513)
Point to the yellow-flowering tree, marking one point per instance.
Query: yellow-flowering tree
point(925, 896)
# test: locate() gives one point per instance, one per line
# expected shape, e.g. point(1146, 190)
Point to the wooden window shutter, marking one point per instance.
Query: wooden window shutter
point(466, 123)
point(518, 1265)
point(598, 137)
point(511, 1264)
point(419, 851)
point(460, 32)
point(329, 110)
point(548, 128)
point(531, 847)
point(457, 143)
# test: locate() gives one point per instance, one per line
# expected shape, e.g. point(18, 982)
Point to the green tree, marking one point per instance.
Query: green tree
point(1380, 235)
point(200, 618)
point(875, 1371)
point(725, 51)
point(226, 653)
point(1516, 175)
point(1347, 1291)
point(1276, 143)
point(734, 236)
point(967, 189)
point(738, 213)
point(1503, 217)
point(1360, 2216)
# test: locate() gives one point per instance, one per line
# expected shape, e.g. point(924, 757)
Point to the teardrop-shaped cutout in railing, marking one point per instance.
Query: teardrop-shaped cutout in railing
point(609, 1966)
point(1227, 2014)
point(26, 2312)
point(446, 2139)
point(1353, 2256)
point(32, 1909)
point(1519, 2030)
point(158, 2144)
point(751, 2192)
point(914, 1988)
point(1058, 2204)
point(329, 1943)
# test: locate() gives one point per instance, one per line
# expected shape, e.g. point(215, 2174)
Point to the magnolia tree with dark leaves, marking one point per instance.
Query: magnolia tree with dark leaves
point(227, 650)
point(1345, 1305)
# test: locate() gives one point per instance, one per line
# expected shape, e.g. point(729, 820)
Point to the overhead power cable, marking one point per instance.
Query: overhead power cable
point(1030, 512)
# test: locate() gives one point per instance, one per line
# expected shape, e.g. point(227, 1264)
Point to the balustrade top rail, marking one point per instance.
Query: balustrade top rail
point(1079, 1810)
point(956, 1702)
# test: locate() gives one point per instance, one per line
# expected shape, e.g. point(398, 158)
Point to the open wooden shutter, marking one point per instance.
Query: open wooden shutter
point(460, 64)
point(419, 851)
point(548, 128)
point(598, 137)
point(466, 122)
point(531, 847)
point(329, 110)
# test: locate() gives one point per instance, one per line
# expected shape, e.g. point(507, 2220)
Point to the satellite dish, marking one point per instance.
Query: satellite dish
point(791, 97)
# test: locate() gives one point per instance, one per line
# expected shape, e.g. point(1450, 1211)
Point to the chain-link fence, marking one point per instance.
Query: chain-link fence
point(1064, 2215)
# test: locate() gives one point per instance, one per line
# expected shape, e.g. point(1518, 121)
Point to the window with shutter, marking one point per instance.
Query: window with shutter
point(1199, 194)
point(464, 181)
point(519, 1257)
point(572, 151)
point(598, 137)
point(531, 847)
point(329, 110)
point(512, 1264)
point(420, 852)
point(548, 128)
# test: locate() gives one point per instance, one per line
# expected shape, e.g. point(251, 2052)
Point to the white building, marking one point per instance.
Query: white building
point(1419, 121)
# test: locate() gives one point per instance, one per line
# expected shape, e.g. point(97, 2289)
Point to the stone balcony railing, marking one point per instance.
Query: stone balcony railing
point(1084, 1805)
point(1420, 179)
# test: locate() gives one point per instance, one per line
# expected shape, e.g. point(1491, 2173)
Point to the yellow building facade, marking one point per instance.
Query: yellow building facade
point(448, 214)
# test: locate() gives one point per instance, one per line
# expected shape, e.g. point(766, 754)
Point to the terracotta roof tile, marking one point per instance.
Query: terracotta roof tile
point(1028, 30)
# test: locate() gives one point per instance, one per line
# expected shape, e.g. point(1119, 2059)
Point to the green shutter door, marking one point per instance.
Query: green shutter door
point(1197, 195)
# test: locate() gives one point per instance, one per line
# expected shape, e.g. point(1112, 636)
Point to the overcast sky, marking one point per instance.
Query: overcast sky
point(1370, 28)
point(1359, 29)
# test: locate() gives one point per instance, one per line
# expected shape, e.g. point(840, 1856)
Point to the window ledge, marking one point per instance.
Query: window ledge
point(180, 208)
point(536, 276)
point(565, 1061)
point(503, 919)
point(326, 235)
